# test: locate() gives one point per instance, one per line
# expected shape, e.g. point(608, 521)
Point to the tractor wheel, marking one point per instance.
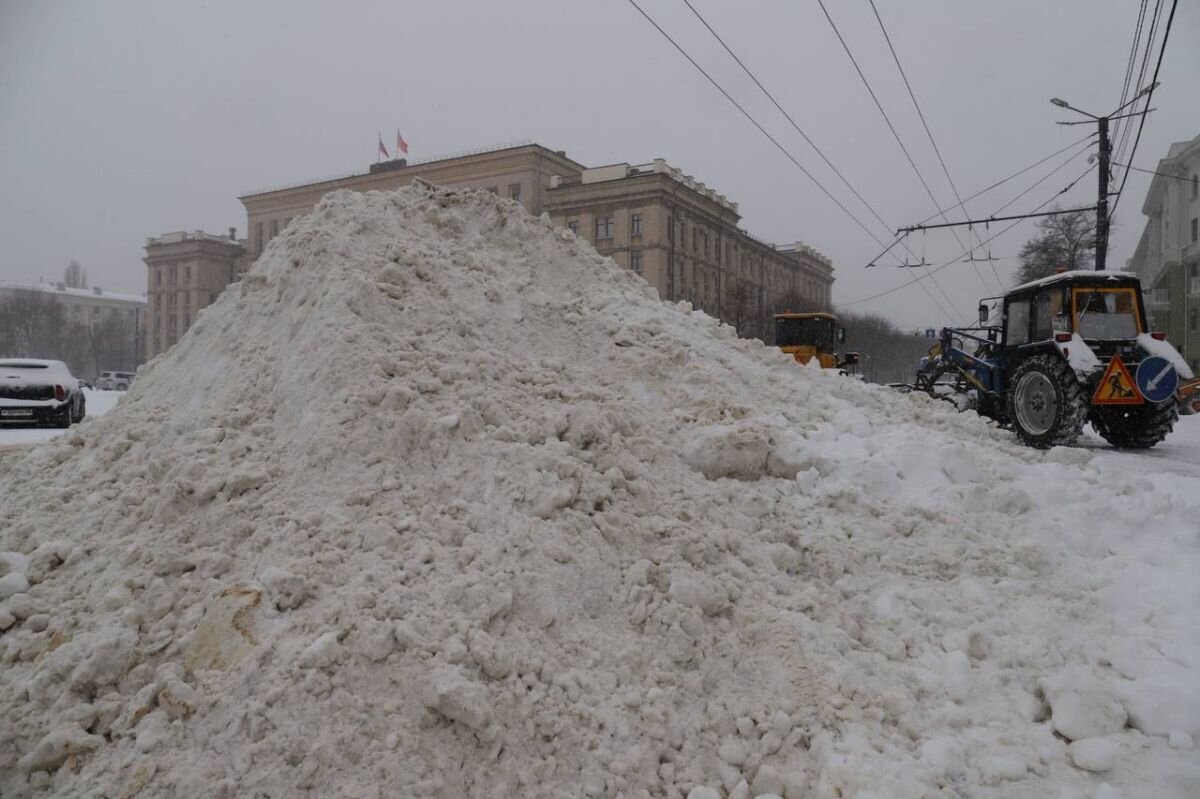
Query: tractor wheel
point(1134, 426)
point(1046, 404)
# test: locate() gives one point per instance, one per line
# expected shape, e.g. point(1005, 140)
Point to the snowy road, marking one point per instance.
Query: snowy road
point(98, 403)
point(1179, 454)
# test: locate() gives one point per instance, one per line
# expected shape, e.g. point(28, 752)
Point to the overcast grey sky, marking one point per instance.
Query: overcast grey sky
point(125, 119)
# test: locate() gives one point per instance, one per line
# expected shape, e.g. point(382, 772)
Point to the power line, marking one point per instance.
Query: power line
point(988, 240)
point(769, 137)
point(1154, 82)
point(805, 136)
point(896, 135)
point(754, 121)
point(1018, 174)
point(1043, 179)
point(1153, 172)
point(1126, 124)
point(1137, 37)
point(929, 133)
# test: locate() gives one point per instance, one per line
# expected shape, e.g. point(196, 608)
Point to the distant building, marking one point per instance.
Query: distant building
point(85, 307)
point(677, 233)
point(99, 329)
point(684, 239)
point(1167, 257)
point(186, 271)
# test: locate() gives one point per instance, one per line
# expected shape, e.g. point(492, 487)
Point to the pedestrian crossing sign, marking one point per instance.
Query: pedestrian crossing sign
point(1117, 386)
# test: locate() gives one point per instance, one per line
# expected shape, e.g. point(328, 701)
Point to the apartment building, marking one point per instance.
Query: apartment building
point(84, 307)
point(1167, 257)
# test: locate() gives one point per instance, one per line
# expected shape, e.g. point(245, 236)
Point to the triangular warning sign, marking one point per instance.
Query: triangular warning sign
point(1117, 386)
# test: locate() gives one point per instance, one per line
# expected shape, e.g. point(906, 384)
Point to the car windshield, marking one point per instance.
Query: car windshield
point(24, 366)
point(1106, 314)
point(811, 332)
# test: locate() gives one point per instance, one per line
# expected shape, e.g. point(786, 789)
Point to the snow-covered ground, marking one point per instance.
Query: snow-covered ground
point(439, 501)
point(98, 404)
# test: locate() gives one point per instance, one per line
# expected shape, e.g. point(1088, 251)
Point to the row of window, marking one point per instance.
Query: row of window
point(172, 274)
point(606, 227)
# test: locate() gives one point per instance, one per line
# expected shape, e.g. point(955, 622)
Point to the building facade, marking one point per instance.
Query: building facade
point(684, 239)
point(94, 329)
point(1167, 258)
point(85, 307)
point(677, 233)
point(186, 271)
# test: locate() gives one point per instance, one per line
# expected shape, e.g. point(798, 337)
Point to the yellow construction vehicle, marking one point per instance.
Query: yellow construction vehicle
point(805, 336)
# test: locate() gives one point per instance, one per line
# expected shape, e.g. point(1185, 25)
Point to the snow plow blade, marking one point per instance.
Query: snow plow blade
point(1189, 397)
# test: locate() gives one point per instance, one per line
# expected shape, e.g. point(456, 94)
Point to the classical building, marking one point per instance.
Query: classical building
point(1167, 257)
point(684, 239)
point(520, 172)
point(680, 235)
point(186, 271)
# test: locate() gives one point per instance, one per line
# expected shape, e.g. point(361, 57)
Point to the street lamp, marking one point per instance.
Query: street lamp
point(1105, 151)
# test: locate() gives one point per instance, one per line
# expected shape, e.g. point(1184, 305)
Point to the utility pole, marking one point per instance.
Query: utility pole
point(1102, 198)
point(1102, 221)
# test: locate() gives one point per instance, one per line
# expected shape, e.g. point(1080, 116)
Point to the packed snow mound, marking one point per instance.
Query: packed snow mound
point(438, 502)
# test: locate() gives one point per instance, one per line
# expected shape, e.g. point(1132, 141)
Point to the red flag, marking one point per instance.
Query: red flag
point(401, 144)
point(383, 150)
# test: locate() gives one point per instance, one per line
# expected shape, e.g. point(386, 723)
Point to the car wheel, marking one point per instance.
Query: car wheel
point(121, 387)
point(64, 418)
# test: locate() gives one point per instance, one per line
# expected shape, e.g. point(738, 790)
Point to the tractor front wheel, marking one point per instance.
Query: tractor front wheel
point(1134, 426)
point(1046, 404)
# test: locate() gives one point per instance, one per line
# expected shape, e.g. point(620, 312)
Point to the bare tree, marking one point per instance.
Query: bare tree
point(75, 276)
point(886, 353)
point(1065, 241)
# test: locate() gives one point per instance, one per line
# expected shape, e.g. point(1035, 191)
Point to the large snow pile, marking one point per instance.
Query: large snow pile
point(438, 502)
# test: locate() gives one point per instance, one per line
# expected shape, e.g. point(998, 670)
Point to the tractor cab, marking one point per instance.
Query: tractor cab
point(1103, 309)
point(806, 336)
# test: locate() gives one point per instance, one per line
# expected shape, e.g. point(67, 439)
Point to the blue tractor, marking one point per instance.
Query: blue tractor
point(1066, 350)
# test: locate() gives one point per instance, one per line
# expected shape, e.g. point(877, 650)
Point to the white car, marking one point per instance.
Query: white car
point(114, 381)
point(34, 391)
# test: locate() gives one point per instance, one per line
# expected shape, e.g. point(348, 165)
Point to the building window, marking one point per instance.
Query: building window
point(514, 191)
point(573, 226)
point(604, 227)
point(695, 240)
point(1192, 319)
point(635, 225)
point(705, 238)
point(1195, 186)
point(187, 320)
point(274, 228)
point(635, 261)
point(258, 238)
point(158, 277)
point(187, 275)
point(171, 274)
point(493, 189)
point(1195, 221)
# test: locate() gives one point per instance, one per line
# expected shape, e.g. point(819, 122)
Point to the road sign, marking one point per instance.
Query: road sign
point(1117, 387)
point(1157, 379)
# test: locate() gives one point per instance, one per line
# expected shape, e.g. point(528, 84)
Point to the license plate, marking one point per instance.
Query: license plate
point(17, 412)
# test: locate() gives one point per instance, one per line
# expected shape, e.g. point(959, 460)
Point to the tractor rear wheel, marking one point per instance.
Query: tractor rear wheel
point(1046, 404)
point(1134, 426)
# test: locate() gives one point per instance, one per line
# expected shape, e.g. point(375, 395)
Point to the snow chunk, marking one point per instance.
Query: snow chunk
point(1094, 754)
point(13, 583)
point(53, 749)
point(1083, 709)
